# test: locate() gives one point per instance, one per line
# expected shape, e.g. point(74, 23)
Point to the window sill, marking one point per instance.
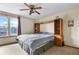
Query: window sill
point(7, 36)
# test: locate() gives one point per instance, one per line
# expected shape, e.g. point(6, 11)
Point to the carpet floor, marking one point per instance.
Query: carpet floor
point(15, 49)
point(62, 51)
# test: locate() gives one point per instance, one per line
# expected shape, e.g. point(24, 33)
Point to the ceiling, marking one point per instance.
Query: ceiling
point(48, 8)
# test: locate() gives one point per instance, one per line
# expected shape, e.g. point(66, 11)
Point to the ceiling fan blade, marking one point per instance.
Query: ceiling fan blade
point(38, 8)
point(23, 9)
point(37, 12)
point(26, 4)
point(30, 12)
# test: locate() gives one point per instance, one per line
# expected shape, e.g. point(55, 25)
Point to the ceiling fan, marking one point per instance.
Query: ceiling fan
point(31, 8)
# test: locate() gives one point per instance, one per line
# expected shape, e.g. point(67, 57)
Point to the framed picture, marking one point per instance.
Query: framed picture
point(70, 23)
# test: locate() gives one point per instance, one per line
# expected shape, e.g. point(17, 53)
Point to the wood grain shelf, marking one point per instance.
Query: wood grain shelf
point(58, 32)
point(37, 27)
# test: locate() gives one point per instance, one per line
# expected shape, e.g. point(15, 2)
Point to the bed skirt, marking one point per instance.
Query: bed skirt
point(44, 48)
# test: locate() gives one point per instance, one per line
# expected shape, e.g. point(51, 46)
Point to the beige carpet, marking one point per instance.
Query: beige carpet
point(12, 49)
point(15, 49)
point(62, 51)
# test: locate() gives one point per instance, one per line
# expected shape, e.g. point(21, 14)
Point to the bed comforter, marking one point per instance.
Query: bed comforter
point(30, 42)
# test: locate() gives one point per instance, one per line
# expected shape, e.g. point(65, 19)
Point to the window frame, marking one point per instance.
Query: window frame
point(10, 26)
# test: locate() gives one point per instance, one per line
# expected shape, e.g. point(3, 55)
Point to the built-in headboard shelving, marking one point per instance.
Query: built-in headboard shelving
point(58, 30)
point(37, 27)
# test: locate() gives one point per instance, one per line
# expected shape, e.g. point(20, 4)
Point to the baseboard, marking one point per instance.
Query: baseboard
point(72, 46)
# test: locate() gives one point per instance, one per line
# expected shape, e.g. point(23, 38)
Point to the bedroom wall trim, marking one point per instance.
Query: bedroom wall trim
point(8, 43)
point(45, 22)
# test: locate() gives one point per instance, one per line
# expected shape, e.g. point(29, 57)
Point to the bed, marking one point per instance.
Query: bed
point(37, 41)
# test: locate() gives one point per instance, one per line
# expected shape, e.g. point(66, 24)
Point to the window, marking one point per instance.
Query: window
point(3, 26)
point(13, 26)
point(8, 26)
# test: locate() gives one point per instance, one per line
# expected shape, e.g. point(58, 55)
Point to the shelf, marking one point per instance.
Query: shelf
point(36, 27)
point(58, 29)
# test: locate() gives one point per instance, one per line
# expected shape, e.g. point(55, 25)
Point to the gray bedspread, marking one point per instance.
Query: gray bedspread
point(30, 42)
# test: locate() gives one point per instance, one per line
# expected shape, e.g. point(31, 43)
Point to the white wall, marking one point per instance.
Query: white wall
point(75, 32)
point(6, 40)
point(71, 37)
point(27, 25)
point(49, 27)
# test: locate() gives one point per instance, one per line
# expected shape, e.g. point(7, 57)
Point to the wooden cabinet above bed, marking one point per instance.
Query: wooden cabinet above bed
point(37, 27)
point(58, 32)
